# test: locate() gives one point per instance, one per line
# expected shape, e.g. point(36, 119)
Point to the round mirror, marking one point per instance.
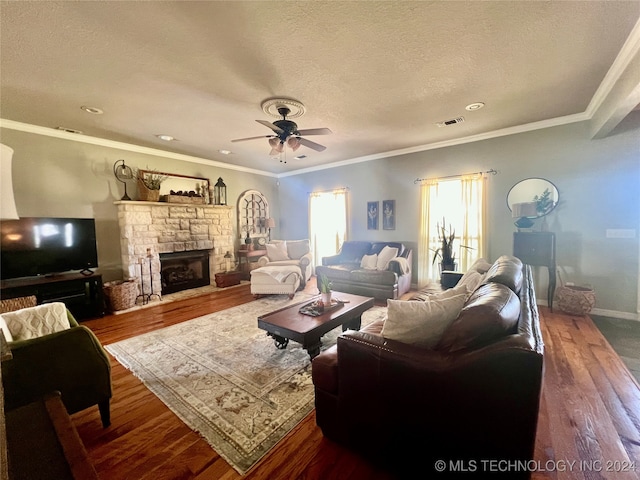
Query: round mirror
point(533, 197)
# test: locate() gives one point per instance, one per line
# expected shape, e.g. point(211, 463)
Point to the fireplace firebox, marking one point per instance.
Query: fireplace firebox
point(184, 270)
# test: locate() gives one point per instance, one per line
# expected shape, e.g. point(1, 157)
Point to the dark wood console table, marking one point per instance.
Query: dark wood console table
point(538, 249)
point(82, 294)
point(247, 254)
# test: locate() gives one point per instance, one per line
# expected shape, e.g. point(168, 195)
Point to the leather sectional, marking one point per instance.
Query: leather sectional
point(474, 397)
point(346, 274)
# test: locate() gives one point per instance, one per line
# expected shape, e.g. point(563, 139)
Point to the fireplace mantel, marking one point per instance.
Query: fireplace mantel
point(161, 227)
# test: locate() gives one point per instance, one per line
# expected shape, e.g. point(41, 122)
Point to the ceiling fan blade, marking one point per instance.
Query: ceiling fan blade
point(251, 138)
point(270, 125)
point(312, 145)
point(315, 131)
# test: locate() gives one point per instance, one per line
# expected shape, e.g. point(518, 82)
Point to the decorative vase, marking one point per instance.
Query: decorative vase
point(326, 298)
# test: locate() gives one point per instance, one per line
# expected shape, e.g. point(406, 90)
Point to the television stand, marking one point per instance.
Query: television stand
point(81, 293)
point(86, 272)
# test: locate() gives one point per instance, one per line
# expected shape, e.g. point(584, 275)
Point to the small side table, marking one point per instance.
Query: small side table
point(538, 249)
point(247, 255)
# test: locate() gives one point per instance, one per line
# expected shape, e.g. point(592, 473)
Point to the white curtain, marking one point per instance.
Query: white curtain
point(428, 193)
point(327, 223)
point(458, 204)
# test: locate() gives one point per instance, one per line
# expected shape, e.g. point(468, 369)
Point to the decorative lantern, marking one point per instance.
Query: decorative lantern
point(220, 192)
point(227, 261)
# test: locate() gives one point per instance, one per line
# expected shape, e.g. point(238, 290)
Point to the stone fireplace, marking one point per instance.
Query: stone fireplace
point(167, 228)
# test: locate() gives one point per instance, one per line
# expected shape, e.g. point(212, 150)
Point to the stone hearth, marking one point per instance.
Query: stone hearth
point(171, 227)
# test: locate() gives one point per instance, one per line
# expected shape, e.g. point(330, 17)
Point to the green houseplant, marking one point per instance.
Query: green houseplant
point(445, 252)
point(324, 285)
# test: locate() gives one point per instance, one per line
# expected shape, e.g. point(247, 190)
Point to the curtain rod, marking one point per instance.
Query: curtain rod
point(492, 172)
point(330, 190)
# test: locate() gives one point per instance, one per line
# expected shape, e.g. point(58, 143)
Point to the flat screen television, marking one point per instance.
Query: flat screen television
point(46, 246)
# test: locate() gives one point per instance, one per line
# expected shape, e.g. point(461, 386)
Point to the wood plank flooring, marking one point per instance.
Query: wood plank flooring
point(589, 415)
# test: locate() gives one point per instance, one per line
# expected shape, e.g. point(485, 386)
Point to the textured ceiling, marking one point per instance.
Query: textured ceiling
point(380, 75)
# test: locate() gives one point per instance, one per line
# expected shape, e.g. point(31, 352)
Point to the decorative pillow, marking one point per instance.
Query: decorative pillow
point(421, 323)
point(37, 321)
point(385, 256)
point(277, 251)
point(5, 330)
point(480, 266)
point(298, 248)
point(471, 280)
point(451, 292)
point(369, 262)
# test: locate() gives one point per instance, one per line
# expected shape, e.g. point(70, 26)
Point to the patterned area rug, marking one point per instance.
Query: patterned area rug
point(226, 379)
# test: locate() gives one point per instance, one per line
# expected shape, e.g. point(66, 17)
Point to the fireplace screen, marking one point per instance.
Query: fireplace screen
point(184, 270)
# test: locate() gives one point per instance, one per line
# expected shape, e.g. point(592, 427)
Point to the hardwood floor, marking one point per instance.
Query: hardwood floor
point(590, 413)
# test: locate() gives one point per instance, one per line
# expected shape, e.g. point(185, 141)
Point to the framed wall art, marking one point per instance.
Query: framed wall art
point(389, 214)
point(373, 217)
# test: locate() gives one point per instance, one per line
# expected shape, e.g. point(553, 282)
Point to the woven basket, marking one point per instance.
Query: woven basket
point(12, 304)
point(146, 194)
point(576, 300)
point(120, 294)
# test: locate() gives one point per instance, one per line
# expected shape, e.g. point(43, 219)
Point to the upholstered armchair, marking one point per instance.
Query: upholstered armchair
point(70, 360)
point(289, 252)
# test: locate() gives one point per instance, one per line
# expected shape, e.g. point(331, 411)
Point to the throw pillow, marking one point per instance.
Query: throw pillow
point(5, 330)
point(471, 280)
point(369, 262)
point(37, 321)
point(385, 256)
point(297, 248)
point(277, 251)
point(421, 323)
point(480, 266)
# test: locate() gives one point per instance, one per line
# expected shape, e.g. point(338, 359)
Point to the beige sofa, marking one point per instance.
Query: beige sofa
point(289, 252)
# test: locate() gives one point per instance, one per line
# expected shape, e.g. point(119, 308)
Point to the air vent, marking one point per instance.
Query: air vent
point(453, 121)
point(300, 157)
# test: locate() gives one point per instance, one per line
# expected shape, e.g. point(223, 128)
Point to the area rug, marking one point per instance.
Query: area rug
point(225, 378)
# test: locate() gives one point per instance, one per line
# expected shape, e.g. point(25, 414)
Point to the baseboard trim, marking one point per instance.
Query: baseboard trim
point(616, 314)
point(603, 312)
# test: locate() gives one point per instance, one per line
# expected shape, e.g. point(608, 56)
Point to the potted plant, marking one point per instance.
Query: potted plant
point(445, 253)
point(149, 182)
point(324, 285)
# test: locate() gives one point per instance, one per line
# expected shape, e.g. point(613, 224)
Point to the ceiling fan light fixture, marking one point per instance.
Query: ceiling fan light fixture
point(270, 106)
point(293, 143)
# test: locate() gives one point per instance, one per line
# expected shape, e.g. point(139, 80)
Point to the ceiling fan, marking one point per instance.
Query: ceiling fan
point(286, 133)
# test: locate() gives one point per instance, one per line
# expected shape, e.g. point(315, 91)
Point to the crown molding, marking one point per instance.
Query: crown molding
point(553, 122)
point(81, 138)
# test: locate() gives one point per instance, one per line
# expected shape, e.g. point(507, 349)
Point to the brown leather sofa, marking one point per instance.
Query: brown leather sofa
point(346, 274)
point(471, 400)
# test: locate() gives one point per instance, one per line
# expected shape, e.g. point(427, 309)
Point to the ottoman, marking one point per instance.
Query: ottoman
point(275, 280)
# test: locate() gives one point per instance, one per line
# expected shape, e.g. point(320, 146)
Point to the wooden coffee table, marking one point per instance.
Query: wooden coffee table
point(289, 324)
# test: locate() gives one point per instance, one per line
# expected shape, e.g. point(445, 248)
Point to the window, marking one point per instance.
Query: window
point(460, 202)
point(327, 223)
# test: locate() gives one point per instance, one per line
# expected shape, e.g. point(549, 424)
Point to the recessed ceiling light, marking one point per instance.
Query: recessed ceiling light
point(474, 106)
point(166, 138)
point(225, 152)
point(92, 110)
